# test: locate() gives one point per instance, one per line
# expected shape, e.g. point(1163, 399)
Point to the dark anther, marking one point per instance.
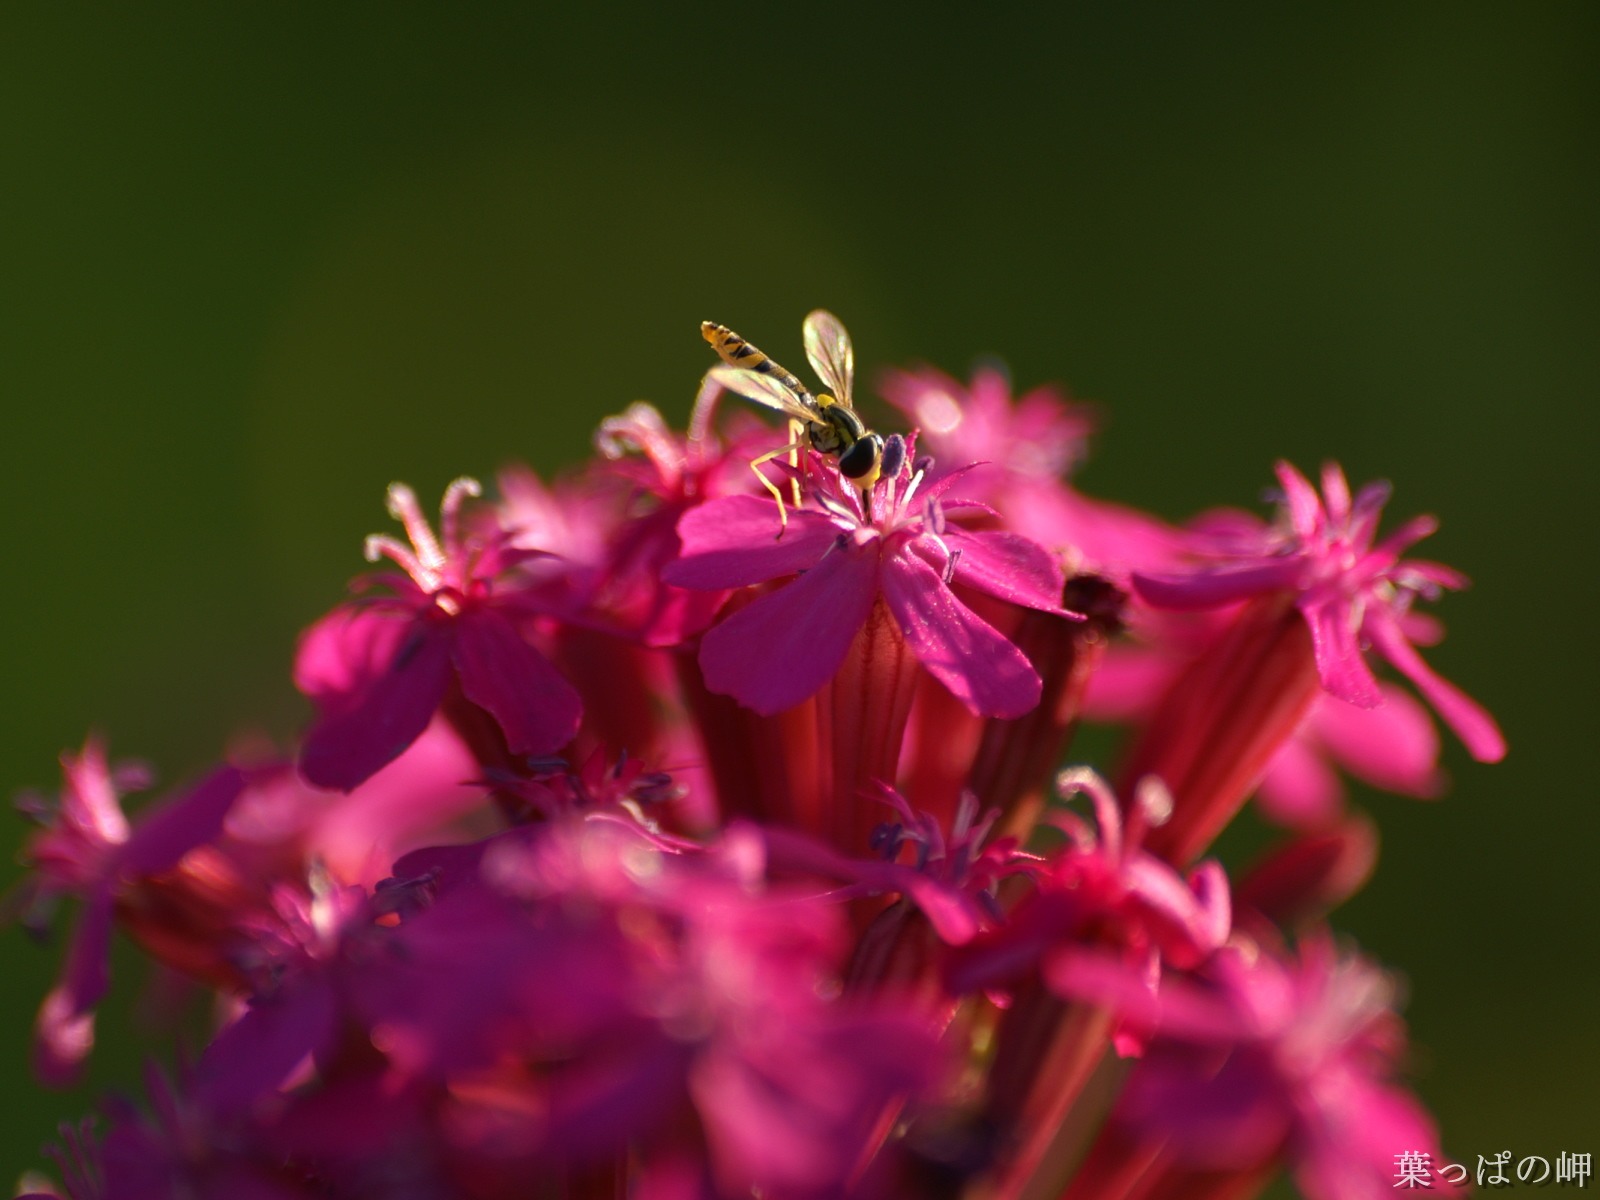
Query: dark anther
point(950, 567)
point(894, 455)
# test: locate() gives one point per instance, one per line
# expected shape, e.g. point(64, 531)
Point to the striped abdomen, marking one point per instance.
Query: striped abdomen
point(737, 352)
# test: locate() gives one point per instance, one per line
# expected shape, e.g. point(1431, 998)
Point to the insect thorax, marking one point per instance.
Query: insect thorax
point(837, 429)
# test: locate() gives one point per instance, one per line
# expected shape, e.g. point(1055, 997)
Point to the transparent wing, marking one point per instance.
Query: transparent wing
point(832, 357)
point(764, 390)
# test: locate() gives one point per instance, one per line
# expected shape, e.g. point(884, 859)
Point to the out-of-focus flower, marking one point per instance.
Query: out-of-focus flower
point(88, 849)
point(379, 668)
point(1100, 898)
point(1266, 1058)
point(1024, 450)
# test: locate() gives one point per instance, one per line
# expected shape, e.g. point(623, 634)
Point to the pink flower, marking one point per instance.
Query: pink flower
point(953, 880)
point(1025, 448)
point(1351, 590)
point(88, 849)
point(1271, 1057)
point(1104, 905)
point(379, 668)
point(1038, 435)
point(784, 645)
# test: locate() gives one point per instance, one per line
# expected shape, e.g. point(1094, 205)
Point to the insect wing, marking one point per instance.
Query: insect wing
point(831, 355)
point(763, 389)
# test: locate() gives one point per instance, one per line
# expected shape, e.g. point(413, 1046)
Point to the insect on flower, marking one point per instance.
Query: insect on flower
point(826, 422)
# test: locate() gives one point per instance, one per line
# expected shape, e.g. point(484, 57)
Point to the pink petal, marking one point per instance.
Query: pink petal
point(947, 909)
point(1413, 531)
point(336, 655)
point(378, 677)
point(1305, 509)
point(1008, 566)
point(946, 481)
point(1343, 670)
point(1336, 491)
point(1212, 589)
point(734, 542)
point(251, 1058)
point(63, 1037)
point(166, 834)
point(87, 971)
point(961, 650)
point(1300, 790)
point(1393, 746)
point(1472, 724)
point(782, 647)
point(1311, 873)
point(536, 708)
point(1186, 929)
point(64, 1029)
point(1348, 1145)
point(1103, 979)
point(1129, 682)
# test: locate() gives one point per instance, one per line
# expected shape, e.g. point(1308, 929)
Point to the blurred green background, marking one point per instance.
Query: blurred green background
point(259, 260)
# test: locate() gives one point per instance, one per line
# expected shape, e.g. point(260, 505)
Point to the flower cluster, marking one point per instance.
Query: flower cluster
point(655, 839)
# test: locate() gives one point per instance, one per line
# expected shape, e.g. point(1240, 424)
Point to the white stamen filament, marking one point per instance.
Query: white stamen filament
point(450, 509)
point(403, 507)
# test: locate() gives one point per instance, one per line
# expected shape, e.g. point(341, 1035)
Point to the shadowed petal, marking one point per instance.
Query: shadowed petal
point(537, 709)
point(252, 1057)
point(961, 650)
point(782, 647)
point(734, 542)
point(378, 678)
point(165, 835)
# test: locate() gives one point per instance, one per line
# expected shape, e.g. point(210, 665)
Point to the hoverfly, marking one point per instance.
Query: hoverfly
point(827, 422)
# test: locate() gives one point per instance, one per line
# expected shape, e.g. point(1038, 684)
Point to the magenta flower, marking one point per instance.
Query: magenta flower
point(1039, 435)
point(443, 962)
point(953, 880)
point(379, 668)
point(784, 645)
point(89, 850)
point(1351, 590)
point(1025, 448)
point(1104, 904)
point(1268, 1058)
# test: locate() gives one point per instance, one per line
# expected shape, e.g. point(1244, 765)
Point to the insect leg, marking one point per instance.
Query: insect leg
point(777, 494)
point(798, 438)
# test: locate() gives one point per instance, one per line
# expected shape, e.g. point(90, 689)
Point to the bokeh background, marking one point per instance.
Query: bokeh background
point(258, 260)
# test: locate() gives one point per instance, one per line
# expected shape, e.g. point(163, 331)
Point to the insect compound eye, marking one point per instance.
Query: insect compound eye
point(846, 422)
point(894, 455)
point(858, 461)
